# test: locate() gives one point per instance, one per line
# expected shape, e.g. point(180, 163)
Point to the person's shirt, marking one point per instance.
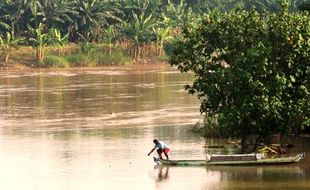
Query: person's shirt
point(161, 145)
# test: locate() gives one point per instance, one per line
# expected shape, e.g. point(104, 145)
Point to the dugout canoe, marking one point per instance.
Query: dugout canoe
point(235, 161)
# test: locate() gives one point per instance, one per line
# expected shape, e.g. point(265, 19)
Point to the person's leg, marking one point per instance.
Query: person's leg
point(166, 150)
point(166, 156)
point(160, 151)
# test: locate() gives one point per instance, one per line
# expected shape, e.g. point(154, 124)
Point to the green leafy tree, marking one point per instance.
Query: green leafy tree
point(93, 15)
point(138, 32)
point(110, 37)
point(162, 35)
point(86, 46)
point(7, 44)
point(11, 14)
point(305, 6)
point(56, 38)
point(252, 71)
point(57, 13)
point(39, 41)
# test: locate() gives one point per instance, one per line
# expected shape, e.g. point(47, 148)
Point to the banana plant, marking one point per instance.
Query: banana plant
point(92, 16)
point(138, 32)
point(56, 38)
point(162, 35)
point(8, 43)
point(39, 40)
point(55, 13)
point(11, 14)
point(110, 37)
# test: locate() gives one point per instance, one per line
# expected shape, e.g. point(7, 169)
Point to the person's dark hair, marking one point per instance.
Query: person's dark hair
point(155, 141)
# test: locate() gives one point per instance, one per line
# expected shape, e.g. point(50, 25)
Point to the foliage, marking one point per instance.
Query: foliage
point(305, 6)
point(52, 61)
point(169, 46)
point(110, 37)
point(138, 32)
point(115, 58)
point(56, 38)
point(252, 71)
point(87, 48)
point(136, 25)
point(38, 41)
point(7, 44)
point(79, 60)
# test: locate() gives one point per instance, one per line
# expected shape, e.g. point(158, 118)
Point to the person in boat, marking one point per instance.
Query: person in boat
point(161, 148)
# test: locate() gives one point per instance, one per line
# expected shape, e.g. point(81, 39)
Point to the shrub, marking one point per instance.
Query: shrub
point(79, 60)
point(54, 61)
point(117, 57)
point(87, 48)
point(169, 46)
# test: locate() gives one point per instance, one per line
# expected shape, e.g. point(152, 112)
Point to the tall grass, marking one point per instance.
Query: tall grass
point(80, 60)
point(116, 58)
point(52, 61)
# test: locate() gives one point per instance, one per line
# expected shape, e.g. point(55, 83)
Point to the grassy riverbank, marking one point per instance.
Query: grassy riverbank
point(73, 56)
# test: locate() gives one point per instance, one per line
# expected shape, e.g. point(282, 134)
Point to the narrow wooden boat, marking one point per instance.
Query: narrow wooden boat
point(234, 160)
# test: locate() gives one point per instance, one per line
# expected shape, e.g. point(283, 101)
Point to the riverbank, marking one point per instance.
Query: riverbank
point(132, 67)
point(73, 56)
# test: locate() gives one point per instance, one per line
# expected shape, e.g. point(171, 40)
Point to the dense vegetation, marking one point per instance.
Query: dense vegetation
point(141, 28)
point(252, 71)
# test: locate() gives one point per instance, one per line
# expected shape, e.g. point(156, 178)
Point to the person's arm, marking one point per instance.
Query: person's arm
point(151, 151)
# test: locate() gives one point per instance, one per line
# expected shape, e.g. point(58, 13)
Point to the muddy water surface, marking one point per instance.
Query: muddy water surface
point(93, 129)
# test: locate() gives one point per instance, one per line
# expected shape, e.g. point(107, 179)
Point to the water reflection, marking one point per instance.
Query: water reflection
point(261, 177)
point(162, 173)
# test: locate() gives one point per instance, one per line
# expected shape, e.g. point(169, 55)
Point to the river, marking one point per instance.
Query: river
point(92, 129)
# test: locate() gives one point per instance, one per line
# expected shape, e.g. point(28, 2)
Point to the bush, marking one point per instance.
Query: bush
point(79, 60)
point(54, 61)
point(169, 46)
point(116, 57)
point(87, 48)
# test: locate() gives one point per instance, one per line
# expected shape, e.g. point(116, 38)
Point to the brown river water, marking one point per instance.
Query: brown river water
point(92, 129)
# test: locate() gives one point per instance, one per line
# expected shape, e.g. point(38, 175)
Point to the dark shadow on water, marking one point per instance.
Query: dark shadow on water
point(262, 177)
point(162, 173)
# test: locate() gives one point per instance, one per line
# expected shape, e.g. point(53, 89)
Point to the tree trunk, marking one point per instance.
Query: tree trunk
point(7, 56)
point(110, 48)
point(243, 145)
point(138, 52)
point(40, 53)
point(244, 137)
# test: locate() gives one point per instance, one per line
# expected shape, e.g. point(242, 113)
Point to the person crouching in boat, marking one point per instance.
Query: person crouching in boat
point(161, 148)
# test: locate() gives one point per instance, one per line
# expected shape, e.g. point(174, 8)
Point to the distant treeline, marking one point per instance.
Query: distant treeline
point(135, 25)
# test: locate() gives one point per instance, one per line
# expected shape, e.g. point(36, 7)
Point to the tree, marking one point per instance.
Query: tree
point(305, 6)
point(58, 39)
point(57, 13)
point(39, 41)
point(110, 37)
point(162, 35)
point(252, 71)
point(11, 14)
point(7, 44)
point(92, 16)
point(138, 32)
